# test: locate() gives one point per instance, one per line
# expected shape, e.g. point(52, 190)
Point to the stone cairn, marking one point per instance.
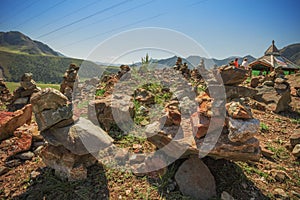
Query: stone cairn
point(70, 77)
point(71, 141)
point(21, 96)
point(274, 92)
point(182, 67)
point(180, 130)
point(5, 95)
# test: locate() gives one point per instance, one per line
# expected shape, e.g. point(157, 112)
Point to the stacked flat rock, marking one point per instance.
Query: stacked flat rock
point(21, 96)
point(275, 92)
point(72, 144)
point(69, 79)
point(5, 95)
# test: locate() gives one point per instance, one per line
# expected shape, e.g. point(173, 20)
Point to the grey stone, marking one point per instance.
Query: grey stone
point(48, 118)
point(242, 130)
point(81, 138)
point(195, 180)
point(23, 100)
point(226, 196)
point(25, 156)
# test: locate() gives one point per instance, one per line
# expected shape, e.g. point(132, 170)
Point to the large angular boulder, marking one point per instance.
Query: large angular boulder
point(195, 180)
point(232, 76)
point(242, 130)
point(276, 100)
point(111, 111)
point(10, 121)
point(81, 138)
point(66, 164)
point(47, 98)
point(238, 110)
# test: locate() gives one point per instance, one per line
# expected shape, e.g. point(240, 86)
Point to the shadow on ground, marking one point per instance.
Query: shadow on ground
point(48, 186)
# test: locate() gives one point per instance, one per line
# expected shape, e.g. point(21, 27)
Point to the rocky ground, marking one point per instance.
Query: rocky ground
point(275, 176)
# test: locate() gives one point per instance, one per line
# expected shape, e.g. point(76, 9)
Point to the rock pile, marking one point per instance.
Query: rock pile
point(21, 96)
point(5, 95)
point(69, 79)
point(274, 92)
point(71, 142)
point(182, 67)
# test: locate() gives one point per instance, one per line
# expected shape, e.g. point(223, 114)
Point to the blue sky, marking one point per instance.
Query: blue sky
point(222, 27)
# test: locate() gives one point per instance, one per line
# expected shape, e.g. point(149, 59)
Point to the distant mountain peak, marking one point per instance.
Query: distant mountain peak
point(17, 42)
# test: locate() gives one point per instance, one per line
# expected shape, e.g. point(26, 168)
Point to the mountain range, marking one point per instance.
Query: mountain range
point(20, 54)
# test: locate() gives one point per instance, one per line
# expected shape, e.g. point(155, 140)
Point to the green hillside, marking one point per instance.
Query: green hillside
point(46, 69)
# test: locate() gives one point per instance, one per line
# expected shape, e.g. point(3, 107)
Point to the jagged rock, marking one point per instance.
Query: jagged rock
point(81, 138)
point(144, 96)
point(296, 151)
point(173, 116)
point(242, 130)
point(200, 124)
point(22, 94)
point(226, 149)
point(281, 86)
point(239, 91)
point(10, 121)
point(295, 138)
point(232, 76)
point(47, 98)
point(111, 111)
point(195, 180)
point(66, 164)
point(69, 79)
point(48, 118)
point(279, 80)
point(268, 83)
point(237, 110)
point(276, 101)
point(254, 82)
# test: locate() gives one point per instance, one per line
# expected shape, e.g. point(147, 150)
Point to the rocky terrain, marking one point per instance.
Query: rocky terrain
point(173, 133)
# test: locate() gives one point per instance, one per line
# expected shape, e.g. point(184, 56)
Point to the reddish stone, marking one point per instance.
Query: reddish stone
point(174, 116)
point(20, 144)
point(200, 124)
point(10, 121)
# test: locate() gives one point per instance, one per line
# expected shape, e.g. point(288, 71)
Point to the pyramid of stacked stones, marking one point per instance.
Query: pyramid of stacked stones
point(21, 96)
point(69, 79)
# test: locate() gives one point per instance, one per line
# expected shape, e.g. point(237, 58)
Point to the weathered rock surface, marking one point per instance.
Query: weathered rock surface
point(242, 130)
point(276, 101)
point(66, 164)
point(237, 110)
point(48, 118)
point(81, 138)
point(232, 76)
point(10, 121)
point(22, 94)
point(69, 79)
point(47, 98)
point(195, 180)
point(111, 111)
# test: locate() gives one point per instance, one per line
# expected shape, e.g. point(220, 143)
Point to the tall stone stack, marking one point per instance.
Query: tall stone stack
point(21, 96)
point(69, 79)
point(274, 92)
point(72, 143)
point(5, 95)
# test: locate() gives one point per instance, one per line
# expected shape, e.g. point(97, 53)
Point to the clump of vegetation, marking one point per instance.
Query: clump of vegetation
point(100, 92)
point(264, 127)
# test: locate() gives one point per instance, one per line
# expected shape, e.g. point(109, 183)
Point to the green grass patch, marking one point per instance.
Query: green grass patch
point(263, 127)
